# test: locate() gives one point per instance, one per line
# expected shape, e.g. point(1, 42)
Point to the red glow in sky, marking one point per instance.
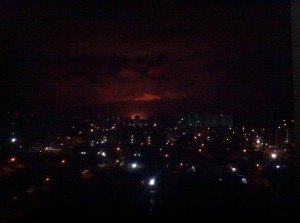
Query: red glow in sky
point(147, 56)
point(148, 97)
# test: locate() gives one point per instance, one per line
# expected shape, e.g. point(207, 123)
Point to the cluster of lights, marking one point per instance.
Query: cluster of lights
point(132, 139)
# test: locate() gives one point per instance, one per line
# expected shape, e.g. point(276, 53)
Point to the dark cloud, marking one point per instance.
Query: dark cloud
point(147, 97)
point(195, 55)
point(129, 74)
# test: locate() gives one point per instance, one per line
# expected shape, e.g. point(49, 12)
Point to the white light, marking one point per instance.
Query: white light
point(274, 155)
point(193, 169)
point(233, 169)
point(277, 166)
point(82, 153)
point(103, 154)
point(244, 180)
point(13, 140)
point(134, 165)
point(152, 182)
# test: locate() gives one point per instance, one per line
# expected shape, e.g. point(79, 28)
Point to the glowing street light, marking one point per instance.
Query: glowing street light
point(134, 165)
point(152, 182)
point(274, 155)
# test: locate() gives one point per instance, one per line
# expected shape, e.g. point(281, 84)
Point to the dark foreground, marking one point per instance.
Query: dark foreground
point(52, 193)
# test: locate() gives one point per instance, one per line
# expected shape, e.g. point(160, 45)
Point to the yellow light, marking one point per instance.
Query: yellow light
point(274, 155)
point(63, 161)
point(13, 159)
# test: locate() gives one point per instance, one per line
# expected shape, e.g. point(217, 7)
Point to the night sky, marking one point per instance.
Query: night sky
point(146, 57)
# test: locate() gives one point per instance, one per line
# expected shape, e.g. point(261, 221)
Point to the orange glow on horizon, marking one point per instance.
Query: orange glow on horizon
point(141, 114)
